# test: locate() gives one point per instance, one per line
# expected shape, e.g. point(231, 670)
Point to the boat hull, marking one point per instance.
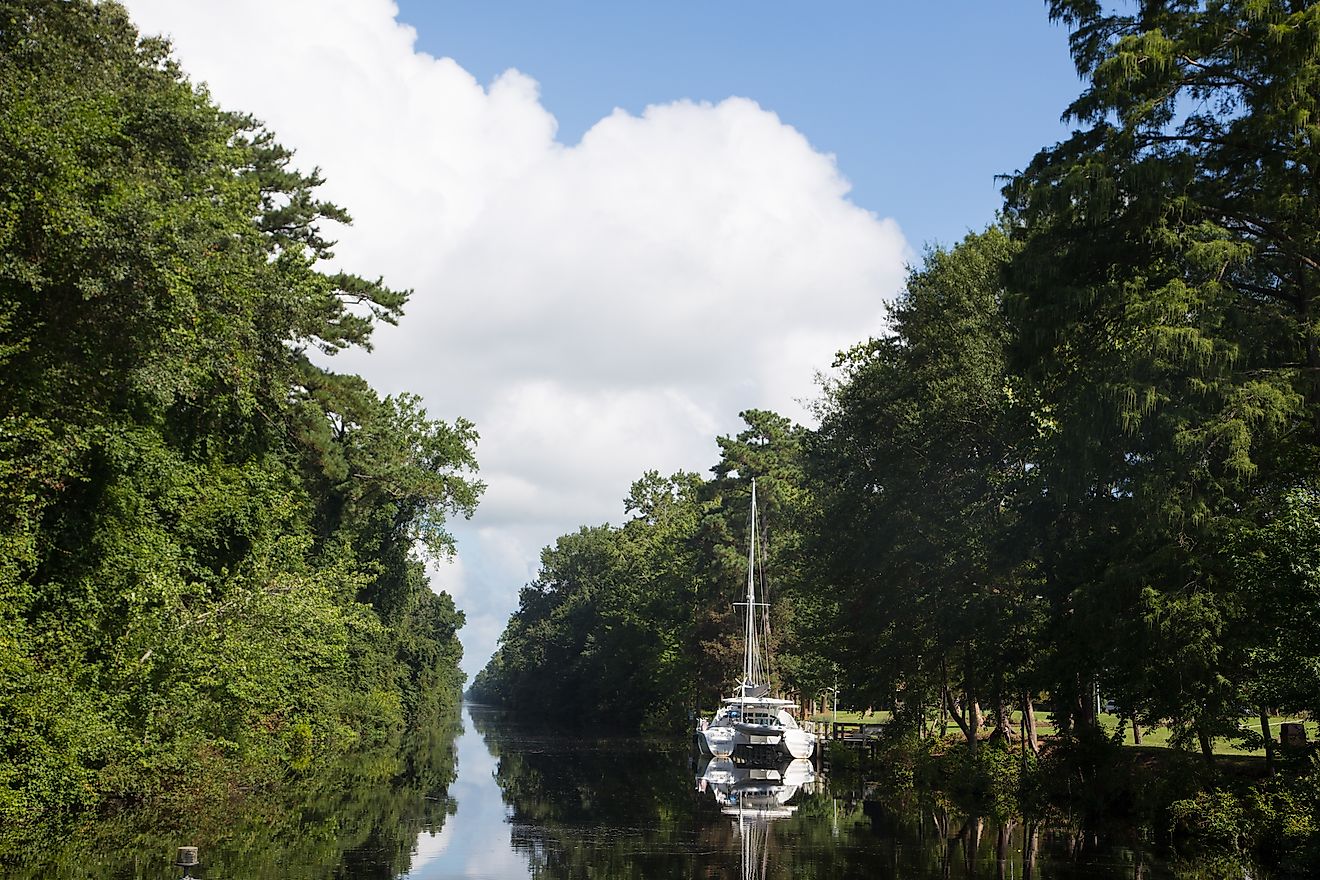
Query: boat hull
point(798, 743)
point(718, 742)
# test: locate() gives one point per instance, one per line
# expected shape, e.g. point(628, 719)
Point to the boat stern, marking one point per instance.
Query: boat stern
point(799, 743)
point(718, 741)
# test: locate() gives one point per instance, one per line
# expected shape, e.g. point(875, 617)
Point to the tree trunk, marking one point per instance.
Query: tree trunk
point(973, 726)
point(1136, 732)
point(949, 707)
point(1086, 703)
point(1005, 719)
point(1003, 732)
point(1029, 723)
point(944, 707)
point(971, 835)
point(1207, 746)
point(1022, 737)
point(955, 711)
point(1073, 722)
point(1269, 740)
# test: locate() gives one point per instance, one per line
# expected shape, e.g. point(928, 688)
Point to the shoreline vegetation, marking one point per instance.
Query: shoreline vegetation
point(1158, 737)
point(211, 547)
point(1223, 821)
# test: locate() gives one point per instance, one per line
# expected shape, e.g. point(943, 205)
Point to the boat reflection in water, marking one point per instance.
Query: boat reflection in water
point(756, 796)
point(751, 792)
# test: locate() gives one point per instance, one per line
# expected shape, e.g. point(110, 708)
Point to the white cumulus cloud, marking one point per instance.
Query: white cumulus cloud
point(598, 309)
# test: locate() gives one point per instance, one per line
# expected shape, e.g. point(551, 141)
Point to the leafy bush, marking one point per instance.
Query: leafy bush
point(987, 781)
point(1215, 819)
point(1275, 819)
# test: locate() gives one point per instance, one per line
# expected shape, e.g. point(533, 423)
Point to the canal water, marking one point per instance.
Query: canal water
point(490, 797)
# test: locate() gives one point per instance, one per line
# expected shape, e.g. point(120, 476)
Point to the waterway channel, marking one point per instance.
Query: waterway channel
point(498, 797)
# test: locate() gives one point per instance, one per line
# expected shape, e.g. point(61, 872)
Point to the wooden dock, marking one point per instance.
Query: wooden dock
point(844, 731)
point(861, 736)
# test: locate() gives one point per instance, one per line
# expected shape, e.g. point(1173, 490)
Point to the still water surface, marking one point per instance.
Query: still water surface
point(536, 805)
point(493, 798)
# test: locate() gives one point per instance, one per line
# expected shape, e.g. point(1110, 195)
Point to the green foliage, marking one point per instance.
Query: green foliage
point(844, 760)
point(1215, 818)
point(921, 469)
point(1277, 819)
point(1275, 562)
point(207, 559)
point(1164, 296)
point(985, 781)
point(770, 451)
point(604, 632)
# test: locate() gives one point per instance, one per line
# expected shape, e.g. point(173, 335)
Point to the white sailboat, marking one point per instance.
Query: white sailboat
point(753, 721)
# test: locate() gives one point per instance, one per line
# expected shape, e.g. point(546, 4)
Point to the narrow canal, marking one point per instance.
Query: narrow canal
point(497, 797)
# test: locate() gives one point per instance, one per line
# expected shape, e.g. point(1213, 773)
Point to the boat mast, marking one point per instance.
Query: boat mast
point(752, 654)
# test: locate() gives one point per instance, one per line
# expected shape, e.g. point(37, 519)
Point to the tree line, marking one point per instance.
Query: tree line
point(211, 546)
point(1081, 462)
point(634, 625)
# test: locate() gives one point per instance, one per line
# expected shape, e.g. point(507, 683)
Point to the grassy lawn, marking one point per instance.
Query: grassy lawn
point(853, 717)
point(1157, 737)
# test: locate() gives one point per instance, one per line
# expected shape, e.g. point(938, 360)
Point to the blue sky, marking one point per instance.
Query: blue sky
point(600, 290)
point(921, 103)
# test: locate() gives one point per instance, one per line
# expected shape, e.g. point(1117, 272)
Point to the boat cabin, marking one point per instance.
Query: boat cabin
point(772, 713)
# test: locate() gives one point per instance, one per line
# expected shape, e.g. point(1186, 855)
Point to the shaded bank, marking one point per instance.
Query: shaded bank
point(358, 818)
point(1234, 813)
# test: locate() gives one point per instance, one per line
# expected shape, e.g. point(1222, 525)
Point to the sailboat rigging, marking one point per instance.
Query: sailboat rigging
point(752, 722)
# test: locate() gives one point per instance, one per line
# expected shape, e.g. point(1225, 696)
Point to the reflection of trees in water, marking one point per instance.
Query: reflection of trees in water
point(593, 808)
point(618, 809)
point(932, 840)
point(588, 809)
point(358, 819)
point(915, 837)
